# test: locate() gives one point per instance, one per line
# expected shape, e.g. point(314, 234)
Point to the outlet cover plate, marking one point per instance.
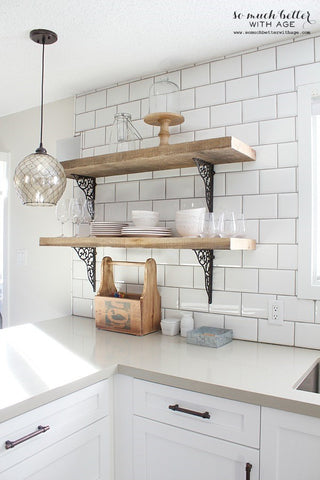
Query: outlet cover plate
point(276, 309)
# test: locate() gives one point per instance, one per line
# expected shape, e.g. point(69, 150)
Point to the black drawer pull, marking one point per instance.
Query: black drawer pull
point(40, 429)
point(190, 412)
point(248, 471)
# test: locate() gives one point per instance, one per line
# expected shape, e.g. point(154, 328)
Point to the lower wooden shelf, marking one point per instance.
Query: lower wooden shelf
point(151, 242)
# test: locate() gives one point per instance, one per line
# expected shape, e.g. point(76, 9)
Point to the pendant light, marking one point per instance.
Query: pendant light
point(39, 178)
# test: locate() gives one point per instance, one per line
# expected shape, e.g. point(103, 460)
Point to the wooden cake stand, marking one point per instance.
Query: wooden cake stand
point(164, 120)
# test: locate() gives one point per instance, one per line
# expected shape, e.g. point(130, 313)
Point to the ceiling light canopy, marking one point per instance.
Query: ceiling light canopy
point(39, 178)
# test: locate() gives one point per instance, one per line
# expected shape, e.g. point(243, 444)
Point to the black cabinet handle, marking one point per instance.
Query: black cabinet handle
point(248, 471)
point(189, 412)
point(40, 429)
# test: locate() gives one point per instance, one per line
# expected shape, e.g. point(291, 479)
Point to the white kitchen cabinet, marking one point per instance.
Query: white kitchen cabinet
point(164, 444)
point(77, 444)
point(82, 456)
point(164, 452)
point(290, 446)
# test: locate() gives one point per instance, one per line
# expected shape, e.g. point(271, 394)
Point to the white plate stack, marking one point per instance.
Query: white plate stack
point(134, 231)
point(106, 229)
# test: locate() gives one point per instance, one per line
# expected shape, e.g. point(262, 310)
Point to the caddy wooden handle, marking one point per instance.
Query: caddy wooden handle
point(127, 264)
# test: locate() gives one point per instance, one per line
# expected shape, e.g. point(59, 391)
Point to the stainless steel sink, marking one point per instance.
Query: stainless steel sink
point(311, 383)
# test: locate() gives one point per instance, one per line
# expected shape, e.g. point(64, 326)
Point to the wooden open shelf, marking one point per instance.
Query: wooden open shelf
point(151, 242)
point(166, 157)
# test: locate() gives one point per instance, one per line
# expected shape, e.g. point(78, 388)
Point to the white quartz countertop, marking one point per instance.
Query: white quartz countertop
point(44, 361)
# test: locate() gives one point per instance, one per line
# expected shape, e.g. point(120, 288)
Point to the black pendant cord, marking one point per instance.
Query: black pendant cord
point(41, 149)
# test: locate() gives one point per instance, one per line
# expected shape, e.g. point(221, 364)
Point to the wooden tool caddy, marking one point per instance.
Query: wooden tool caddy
point(134, 314)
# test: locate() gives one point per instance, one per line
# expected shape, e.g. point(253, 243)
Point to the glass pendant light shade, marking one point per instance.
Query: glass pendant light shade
point(39, 180)
point(123, 135)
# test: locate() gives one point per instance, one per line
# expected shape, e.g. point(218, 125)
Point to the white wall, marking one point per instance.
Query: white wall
point(40, 289)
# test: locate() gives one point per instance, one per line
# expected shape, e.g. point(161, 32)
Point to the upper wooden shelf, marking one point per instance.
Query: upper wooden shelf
point(151, 242)
point(215, 151)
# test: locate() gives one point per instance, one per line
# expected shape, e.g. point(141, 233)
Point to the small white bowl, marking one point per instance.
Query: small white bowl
point(170, 326)
point(145, 218)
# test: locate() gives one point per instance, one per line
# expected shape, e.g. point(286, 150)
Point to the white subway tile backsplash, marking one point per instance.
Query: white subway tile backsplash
point(242, 183)
point(276, 82)
point(265, 190)
point(278, 231)
point(288, 205)
point(116, 95)
point(296, 53)
point(248, 132)
point(226, 69)
point(96, 100)
point(152, 189)
point(166, 208)
point(307, 74)
point(260, 206)
point(265, 256)
point(208, 95)
point(287, 154)
point(241, 280)
point(278, 180)
point(127, 191)
point(85, 121)
point(297, 310)
point(196, 119)
point(192, 299)
point(259, 109)
point(287, 104)
point(178, 276)
point(228, 303)
point(288, 257)
point(227, 114)
point(282, 335)
point(94, 138)
point(258, 62)
point(307, 335)
point(244, 328)
point(242, 88)
point(256, 305)
point(195, 76)
point(208, 320)
point(182, 187)
point(266, 157)
point(277, 131)
point(280, 282)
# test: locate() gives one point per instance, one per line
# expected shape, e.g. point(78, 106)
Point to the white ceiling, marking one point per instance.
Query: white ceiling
point(106, 41)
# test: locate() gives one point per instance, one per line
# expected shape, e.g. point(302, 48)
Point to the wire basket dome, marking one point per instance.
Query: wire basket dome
point(164, 97)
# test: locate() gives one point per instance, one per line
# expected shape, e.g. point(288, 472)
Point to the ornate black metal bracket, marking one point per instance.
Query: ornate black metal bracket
point(205, 258)
point(206, 171)
point(88, 186)
point(88, 255)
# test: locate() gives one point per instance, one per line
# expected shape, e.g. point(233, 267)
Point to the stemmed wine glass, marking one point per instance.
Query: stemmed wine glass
point(76, 213)
point(62, 213)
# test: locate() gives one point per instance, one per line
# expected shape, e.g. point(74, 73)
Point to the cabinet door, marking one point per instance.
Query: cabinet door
point(170, 453)
point(290, 446)
point(85, 455)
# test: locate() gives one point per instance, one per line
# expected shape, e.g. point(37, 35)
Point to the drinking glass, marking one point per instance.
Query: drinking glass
point(211, 226)
point(228, 224)
point(62, 213)
point(240, 227)
point(76, 213)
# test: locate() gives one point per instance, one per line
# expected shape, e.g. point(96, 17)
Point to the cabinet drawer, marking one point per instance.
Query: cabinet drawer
point(229, 420)
point(64, 417)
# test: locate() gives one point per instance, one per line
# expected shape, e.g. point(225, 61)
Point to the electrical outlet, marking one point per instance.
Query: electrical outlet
point(275, 312)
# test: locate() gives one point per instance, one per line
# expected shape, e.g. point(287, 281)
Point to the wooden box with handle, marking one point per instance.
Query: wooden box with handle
point(134, 314)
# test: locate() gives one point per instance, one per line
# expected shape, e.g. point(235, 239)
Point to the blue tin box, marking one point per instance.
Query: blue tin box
point(209, 336)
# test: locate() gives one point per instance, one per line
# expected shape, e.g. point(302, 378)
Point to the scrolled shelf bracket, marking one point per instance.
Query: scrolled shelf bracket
point(205, 258)
point(88, 256)
point(88, 186)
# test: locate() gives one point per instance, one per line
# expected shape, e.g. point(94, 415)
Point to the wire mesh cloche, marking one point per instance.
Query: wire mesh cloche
point(164, 108)
point(123, 135)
